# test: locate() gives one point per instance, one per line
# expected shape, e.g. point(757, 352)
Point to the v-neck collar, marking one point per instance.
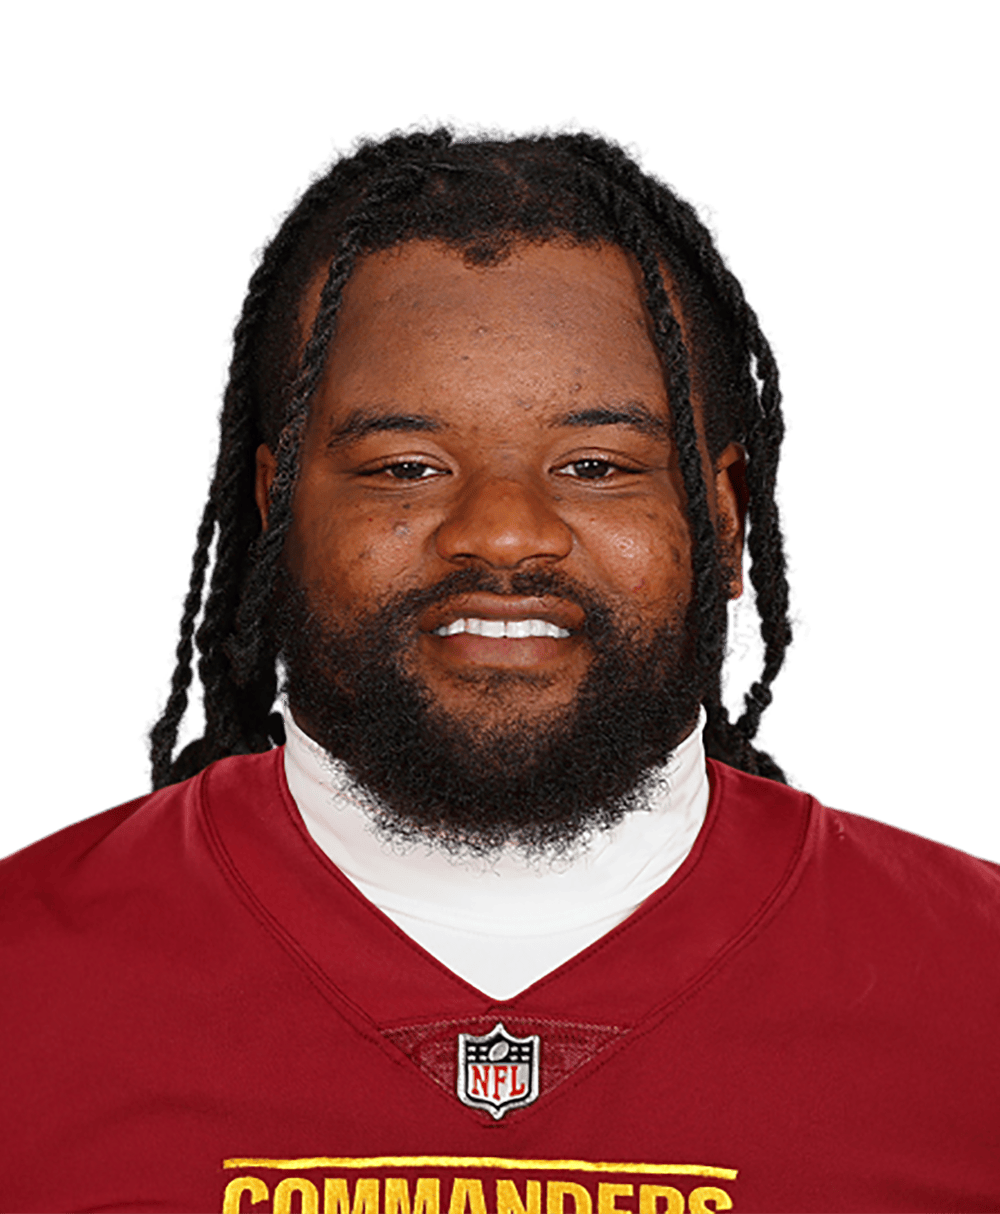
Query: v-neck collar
point(741, 865)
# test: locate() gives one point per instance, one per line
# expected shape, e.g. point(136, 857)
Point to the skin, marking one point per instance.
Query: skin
point(503, 472)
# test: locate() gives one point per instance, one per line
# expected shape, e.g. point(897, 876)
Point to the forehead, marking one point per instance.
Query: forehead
point(547, 321)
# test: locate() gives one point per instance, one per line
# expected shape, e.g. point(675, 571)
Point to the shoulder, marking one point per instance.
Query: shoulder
point(860, 872)
point(123, 854)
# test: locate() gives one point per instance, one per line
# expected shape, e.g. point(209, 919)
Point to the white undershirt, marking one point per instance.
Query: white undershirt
point(502, 924)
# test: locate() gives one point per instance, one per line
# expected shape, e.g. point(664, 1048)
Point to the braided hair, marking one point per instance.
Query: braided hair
point(480, 196)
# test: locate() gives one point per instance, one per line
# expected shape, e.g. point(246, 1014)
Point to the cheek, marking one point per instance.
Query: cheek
point(358, 557)
point(643, 557)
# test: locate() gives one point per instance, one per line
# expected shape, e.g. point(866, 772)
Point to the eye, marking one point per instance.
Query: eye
point(406, 470)
point(410, 471)
point(591, 469)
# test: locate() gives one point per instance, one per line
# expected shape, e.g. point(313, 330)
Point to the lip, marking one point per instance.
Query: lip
point(560, 612)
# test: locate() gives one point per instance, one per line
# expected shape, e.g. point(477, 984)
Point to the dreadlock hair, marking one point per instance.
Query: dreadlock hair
point(481, 196)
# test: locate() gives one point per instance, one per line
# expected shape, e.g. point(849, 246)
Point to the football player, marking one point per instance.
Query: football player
point(497, 912)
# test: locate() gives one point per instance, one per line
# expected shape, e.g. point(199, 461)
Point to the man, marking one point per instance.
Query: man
point(503, 913)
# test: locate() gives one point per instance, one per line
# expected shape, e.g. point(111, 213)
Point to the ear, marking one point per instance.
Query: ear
point(731, 497)
point(267, 465)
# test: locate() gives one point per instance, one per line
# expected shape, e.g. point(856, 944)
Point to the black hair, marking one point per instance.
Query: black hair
point(482, 196)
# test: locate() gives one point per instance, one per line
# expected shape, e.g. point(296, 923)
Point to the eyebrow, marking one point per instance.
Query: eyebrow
point(634, 414)
point(362, 422)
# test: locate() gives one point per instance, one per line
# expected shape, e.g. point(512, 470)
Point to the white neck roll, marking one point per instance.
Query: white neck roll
point(503, 923)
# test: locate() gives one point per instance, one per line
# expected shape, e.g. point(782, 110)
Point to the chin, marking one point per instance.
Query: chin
point(499, 698)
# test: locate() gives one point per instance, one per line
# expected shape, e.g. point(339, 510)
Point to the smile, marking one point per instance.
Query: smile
point(517, 629)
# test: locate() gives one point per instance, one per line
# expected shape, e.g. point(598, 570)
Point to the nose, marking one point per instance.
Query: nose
point(503, 522)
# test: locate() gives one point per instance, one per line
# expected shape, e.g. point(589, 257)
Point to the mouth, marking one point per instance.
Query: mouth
point(518, 629)
point(503, 631)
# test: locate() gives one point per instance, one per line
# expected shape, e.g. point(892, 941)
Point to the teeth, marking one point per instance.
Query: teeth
point(502, 628)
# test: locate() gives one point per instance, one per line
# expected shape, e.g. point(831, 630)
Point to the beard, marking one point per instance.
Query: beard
point(542, 782)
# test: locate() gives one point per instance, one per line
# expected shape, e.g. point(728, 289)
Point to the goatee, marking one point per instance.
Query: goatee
point(542, 783)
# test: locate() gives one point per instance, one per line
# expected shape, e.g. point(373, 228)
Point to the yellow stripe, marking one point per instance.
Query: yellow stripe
point(482, 1161)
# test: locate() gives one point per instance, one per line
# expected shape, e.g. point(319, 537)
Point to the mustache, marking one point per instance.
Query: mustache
point(405, 608)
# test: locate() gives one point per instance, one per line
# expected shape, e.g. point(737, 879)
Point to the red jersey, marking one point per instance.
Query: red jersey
point(200, 1013)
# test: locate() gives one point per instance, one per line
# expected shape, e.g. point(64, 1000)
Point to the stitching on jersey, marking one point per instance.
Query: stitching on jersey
point(330, 869)
point(315, 974)
point(766, 914)
point(675, 882)
point(767, 911)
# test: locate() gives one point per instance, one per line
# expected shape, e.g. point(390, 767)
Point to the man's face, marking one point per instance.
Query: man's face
point(489, 453)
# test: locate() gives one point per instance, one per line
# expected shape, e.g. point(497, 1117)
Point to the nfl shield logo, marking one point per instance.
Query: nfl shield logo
point(497, 1072)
